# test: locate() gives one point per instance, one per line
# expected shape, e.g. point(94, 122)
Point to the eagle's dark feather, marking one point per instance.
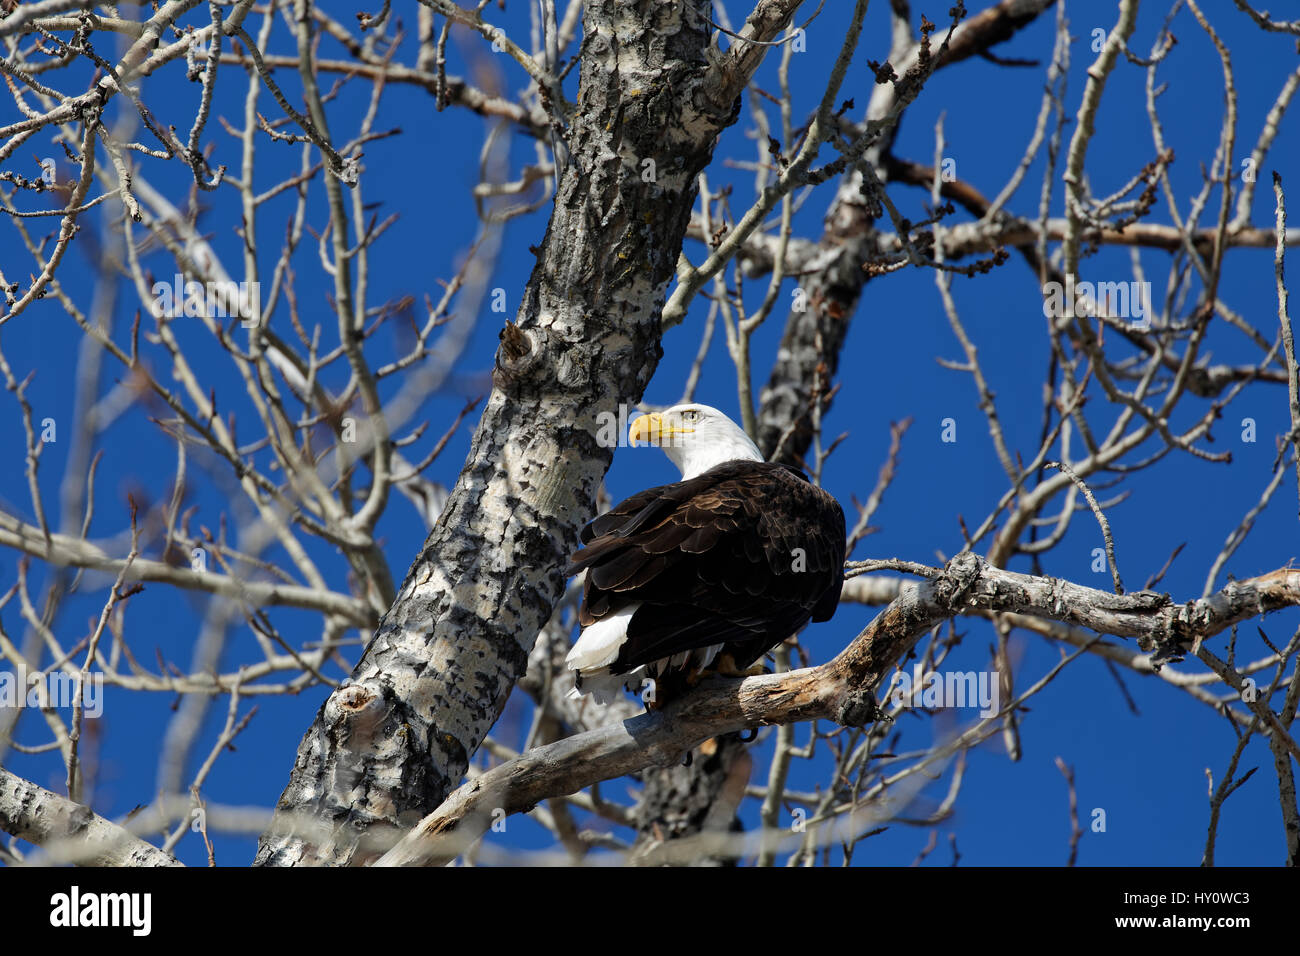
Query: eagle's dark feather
point(712, 560)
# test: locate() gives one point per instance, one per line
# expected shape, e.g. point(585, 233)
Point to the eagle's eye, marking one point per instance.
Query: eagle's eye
point(690, 415)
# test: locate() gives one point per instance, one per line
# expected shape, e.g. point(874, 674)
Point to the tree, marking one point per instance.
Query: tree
point(303, 430)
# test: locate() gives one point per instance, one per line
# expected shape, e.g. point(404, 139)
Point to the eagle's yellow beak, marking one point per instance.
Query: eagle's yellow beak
point(653, 429)
point(646, 428)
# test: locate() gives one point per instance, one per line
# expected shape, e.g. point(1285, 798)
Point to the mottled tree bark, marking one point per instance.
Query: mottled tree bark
point(392, 742)
point(67, 831)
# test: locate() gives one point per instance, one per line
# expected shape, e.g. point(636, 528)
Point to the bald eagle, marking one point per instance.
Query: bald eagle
point(714, 570)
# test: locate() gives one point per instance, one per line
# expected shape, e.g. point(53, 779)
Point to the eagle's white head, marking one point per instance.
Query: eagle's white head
point(694, 437)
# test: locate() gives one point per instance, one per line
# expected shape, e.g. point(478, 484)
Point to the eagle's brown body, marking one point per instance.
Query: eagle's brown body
point(734, 560)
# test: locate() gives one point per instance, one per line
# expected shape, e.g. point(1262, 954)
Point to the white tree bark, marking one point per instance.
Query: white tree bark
point(50, 821)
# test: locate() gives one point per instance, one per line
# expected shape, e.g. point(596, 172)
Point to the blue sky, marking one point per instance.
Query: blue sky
point(1147, 771)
